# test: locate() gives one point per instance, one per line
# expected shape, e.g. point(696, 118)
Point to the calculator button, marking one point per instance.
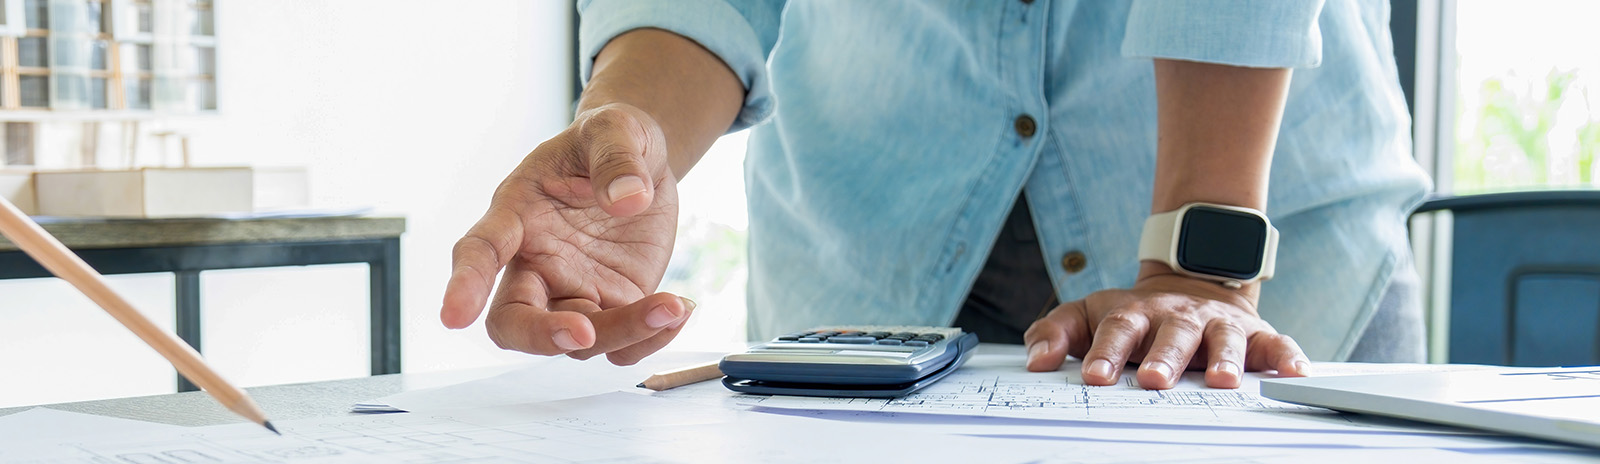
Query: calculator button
point(877, 334)
point(788, 338)
point(852, 340)
point(810, 340)
point(888, 341)
point(916, 343)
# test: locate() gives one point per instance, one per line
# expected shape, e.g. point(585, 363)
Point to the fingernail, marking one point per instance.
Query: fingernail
point(1037, 349)
point(660, 317)
point(1302, 367)
point(1100, 368)
point(1160, 368)
point(563, 339)
point(1226, 367)
point(624, 187)
point(688, 303)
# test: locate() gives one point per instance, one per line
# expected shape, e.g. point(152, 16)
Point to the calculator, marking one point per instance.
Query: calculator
point(849, 361)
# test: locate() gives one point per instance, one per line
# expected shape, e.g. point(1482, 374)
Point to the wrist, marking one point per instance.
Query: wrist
point(1154, 273)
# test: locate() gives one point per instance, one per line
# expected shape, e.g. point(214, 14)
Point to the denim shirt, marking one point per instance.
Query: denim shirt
point(891, 138)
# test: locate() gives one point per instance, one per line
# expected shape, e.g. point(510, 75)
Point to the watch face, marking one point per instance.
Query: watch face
point(1222, 242)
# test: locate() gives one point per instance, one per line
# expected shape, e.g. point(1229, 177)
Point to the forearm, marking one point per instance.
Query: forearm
point(689, 92)
point(1217, 128)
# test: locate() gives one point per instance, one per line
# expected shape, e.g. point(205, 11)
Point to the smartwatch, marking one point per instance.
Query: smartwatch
point(1227, 244)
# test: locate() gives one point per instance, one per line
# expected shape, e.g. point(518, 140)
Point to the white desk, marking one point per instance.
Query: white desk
point(334, 398)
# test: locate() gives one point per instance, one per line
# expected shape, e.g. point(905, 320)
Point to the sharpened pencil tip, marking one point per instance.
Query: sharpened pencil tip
point(641, 385)
point(269, 426)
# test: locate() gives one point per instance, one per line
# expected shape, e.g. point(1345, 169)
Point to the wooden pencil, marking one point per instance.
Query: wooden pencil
point(680, 377)
point(54, 256)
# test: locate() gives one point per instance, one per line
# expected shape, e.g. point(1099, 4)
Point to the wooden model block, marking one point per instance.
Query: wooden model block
point(17, 185)
point(145, 193)
point(280, 188)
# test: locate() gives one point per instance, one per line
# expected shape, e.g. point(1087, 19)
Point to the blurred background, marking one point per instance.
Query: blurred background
point(413, 108)
point(418, 108)
point(1527, 95)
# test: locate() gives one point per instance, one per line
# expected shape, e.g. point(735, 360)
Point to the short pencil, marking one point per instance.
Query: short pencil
point(680, 377)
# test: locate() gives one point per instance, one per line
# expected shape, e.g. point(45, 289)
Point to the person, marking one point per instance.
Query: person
point(926, 162)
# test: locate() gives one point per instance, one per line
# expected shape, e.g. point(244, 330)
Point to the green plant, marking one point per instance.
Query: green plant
point(1508, 146)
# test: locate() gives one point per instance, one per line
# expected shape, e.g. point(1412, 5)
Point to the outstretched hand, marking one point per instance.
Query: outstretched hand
point(583, 229)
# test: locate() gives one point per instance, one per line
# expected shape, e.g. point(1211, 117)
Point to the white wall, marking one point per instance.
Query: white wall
point(415, 107)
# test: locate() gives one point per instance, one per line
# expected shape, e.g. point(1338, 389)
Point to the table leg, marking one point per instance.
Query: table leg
point(385, 318)
point(188, 311)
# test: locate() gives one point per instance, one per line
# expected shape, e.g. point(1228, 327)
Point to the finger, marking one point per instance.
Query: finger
point(625, 151)
point(1062, 332)
point(620, 327)
point(1118, 335)
point(515, 323)
point(1268, 350)
point(634, 353)
point(1175, 342)
point(1225, 348)
point(476, 259)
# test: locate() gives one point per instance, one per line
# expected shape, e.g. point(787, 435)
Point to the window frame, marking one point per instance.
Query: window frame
point(1433, 143)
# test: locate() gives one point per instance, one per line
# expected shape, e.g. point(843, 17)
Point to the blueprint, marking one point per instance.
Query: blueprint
point(996, 385)
point(611, 428)
point(626, 428)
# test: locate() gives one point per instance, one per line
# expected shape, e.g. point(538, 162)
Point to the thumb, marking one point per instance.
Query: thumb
point(626, 153)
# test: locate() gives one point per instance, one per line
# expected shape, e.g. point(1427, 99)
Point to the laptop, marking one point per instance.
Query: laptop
point(1559, 404)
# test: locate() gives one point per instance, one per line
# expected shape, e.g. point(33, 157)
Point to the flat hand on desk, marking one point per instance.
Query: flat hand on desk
point(1165, 321)
point(583, 228)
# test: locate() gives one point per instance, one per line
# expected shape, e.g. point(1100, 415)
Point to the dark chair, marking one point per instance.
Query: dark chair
point(1524, 277)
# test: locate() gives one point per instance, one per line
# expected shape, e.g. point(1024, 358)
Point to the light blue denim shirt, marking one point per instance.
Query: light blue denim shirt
point(885, 154)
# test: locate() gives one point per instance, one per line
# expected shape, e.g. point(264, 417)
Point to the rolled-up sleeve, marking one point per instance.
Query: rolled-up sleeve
point(1252, 33)
point(740, 32)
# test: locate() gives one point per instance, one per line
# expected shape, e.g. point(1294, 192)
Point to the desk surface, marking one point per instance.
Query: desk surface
point(135, 233)
point(334, 398)
point(287, 402)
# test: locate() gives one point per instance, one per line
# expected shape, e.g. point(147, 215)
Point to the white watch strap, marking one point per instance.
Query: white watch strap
point(1269, 263)
point(1155, 244)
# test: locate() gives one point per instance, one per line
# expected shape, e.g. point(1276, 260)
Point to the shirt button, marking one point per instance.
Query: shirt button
point(1074, 262)
point(1025, 126)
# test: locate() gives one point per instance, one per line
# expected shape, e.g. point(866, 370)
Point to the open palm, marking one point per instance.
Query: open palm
point(580, 262)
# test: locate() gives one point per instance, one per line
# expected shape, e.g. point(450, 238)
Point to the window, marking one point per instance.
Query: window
point(709, 261)
point(201, 20)
point(201, 59)
point(107, 60)
point(1527, 96)
point(98, 14)
point(19, 143)
point(136, 49)
point(32, 52)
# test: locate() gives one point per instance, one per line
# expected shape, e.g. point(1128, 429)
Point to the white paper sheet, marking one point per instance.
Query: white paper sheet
point(44, 425)
point(1143, 434)
point(620, 427)
point(549, 379)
